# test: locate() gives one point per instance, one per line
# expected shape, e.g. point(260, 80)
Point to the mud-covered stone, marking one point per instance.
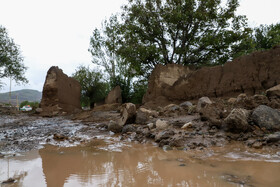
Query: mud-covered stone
point(273, 92)
point(203, 102)
point(237, 120)
point(114, 127)
point(128, 114)
point(266, 117)
point(161, 124)
point(143, 115)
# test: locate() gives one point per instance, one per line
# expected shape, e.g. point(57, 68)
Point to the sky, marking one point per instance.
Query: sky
point(57, 32)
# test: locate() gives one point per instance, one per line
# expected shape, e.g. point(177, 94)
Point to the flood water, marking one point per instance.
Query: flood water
point(101, 163)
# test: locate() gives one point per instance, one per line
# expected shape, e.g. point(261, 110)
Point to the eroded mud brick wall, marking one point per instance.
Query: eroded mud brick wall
point(249, 74)
point(60, 92)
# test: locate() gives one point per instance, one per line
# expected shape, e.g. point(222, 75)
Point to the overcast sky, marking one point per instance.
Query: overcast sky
point(57, 32)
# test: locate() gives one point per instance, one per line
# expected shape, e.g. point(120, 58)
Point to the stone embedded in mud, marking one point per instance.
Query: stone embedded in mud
point(114, 96)
point(128, 114)
point(231, 100)
point(273, 137)
point(128, 128)
point(143, 115)
point(60, 93)
point(187, 125)
point(273, 92)
point(114, 127)
point(202, 102)
point(241, 97)
point(237, 120)
point(161, 124)
point(266, 117)
point(186, 104)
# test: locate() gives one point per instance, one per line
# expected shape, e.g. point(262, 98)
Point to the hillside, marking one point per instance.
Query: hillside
point(23, 95)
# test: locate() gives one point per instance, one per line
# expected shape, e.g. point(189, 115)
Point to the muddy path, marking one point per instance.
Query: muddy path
point(21, 133)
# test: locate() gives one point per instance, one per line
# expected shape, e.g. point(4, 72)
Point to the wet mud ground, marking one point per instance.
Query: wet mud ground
point(57, 151)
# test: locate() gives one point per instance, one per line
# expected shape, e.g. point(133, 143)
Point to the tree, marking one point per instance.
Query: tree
point(104, 44)
point(93, 87)
point(189, 32)
point(11, 65)
point(266, 36)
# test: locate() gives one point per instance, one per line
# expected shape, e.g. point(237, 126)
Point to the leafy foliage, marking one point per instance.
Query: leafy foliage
point(10, 58)
point(180, 31)
point(93, 87)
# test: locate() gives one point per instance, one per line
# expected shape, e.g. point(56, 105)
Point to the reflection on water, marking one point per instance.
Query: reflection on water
point(141, 165)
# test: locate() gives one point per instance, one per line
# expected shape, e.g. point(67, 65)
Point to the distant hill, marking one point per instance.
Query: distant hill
point(23, 95)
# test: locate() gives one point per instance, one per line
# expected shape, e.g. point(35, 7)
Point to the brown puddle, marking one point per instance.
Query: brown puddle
point(141, 165)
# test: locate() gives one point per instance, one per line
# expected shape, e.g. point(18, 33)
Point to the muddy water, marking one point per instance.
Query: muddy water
point(101, 163)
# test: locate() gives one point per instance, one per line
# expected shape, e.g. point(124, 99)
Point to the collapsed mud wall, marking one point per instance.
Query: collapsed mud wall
point(60, 93)
point(249, 74)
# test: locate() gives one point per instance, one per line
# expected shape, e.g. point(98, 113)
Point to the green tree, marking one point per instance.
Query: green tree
point(180, 31)
point(93, 87)
point(266, 36)
point(11, 65)
point(103, 47)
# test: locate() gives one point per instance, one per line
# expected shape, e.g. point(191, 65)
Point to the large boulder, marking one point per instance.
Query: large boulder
point(128, 114)
point(266, 117)
point(114, 96)
point(237, 120)
point(273, 92)
point(60, 93)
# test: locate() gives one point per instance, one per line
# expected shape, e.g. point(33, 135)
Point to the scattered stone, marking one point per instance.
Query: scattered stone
point(128, 128)
point(166, 148)
point(114, 96)
point(202, 102)
point(187, 125)
point(241, 97)
point(266, 117)
point(237, 120)
point(128, 114)
point(231, 100)
point(59, 137)
point(273, 92)
point(237, 180)
point(114, 127)
point(273, 137)
point(164, 135)
point(182, 165)
point(257, 145)
point(143, 115)
point(186, 104)
point(161, 124)
point(150, 126)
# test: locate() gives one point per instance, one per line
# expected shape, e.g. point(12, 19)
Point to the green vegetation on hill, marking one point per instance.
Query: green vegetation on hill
point(23, 95)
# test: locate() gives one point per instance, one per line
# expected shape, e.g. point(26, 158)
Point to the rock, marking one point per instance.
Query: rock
point(231, 100)
point(128, 128)
point(150, 126)
point(171, 108)
point(59, 137)
point(266, 117)
point(213, 114)
point(187, 125)
point(273, 137)
point(164, 135)
point(128, 114)
point(114, 96)
point(161, 124)
point(10, 180)
point(241, 97)
point(38, 110)
point(202, 102)
point(237, 120)
point(186, 104)
point(273, 92)
point(114, 127)
point(60, 93)
point(257, 145)
point(166, 148)
point(143, 115)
